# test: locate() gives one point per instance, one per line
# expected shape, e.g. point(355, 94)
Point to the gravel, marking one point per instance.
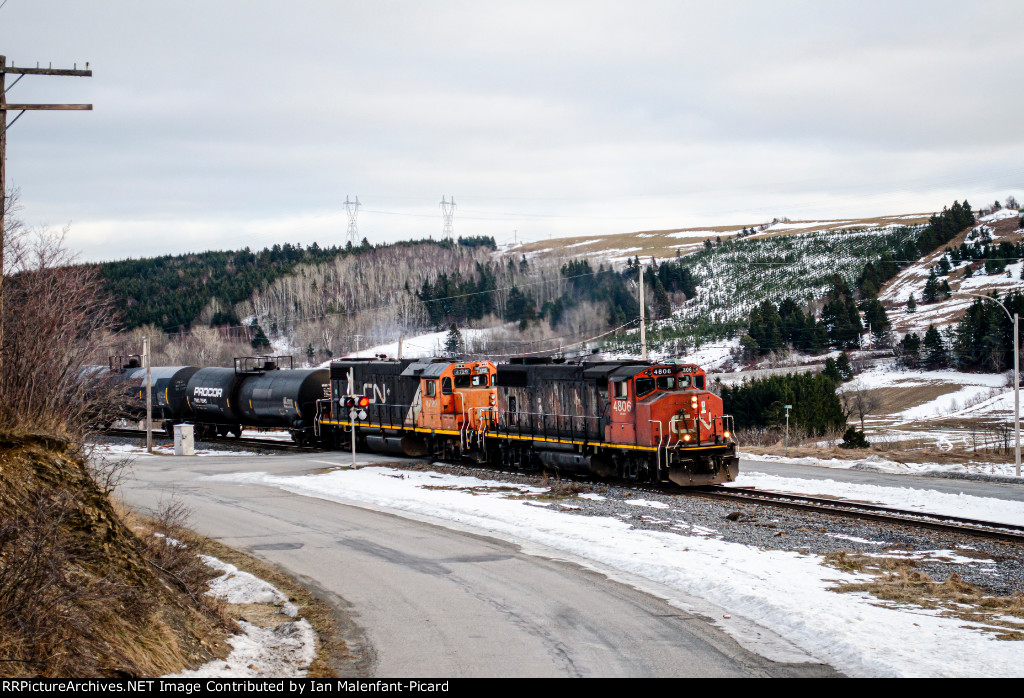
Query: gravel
point(995, 566)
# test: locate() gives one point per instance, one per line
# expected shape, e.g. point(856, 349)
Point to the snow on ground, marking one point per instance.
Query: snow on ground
point(785, 591)
point(711, 357)
point(424, 345)
point(281, 651)
point(887, 376)
point(926, 501)
point(699, 233)
point(161, 447)
point(1000, 215)
point(883, 465)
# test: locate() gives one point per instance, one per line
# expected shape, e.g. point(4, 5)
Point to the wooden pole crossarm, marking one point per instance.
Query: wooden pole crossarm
point(45, 71)
point(45, 107)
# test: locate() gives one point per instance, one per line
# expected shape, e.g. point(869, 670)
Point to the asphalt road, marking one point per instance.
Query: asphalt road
point(429, 601)
point(978, 488)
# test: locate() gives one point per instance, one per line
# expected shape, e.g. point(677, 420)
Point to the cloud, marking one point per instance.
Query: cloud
point(217, 123)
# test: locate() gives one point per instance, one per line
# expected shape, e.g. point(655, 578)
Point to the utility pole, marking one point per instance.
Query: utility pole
point(21, 109)
point(643, 323)
point(149, 395)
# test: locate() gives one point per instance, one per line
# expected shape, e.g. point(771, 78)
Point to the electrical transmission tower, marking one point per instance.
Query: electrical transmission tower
point(352, 209)
point(448, 213)
point(6, 70)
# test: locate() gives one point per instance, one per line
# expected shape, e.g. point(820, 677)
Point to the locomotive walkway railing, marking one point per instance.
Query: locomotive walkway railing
point(545, 425)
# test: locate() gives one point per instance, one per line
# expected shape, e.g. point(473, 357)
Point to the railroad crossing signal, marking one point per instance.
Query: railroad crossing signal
point(356, 405)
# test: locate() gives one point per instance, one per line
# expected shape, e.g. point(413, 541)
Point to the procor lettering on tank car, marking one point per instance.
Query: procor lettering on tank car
point(223, 401)
point(439, 408)
point(625, 419)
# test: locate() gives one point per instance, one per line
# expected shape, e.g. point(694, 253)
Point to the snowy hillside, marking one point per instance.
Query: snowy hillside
point(738, 274)
point(997, 227)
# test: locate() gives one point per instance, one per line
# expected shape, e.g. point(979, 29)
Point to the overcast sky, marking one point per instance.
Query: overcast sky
point(224, 123)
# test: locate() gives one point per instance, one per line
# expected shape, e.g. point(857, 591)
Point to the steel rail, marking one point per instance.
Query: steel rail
point(273, 444)
point(870, 512)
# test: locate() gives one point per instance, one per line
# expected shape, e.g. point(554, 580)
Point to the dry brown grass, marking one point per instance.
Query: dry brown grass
point(899, 581)
point(664, 243)
point(333, 656)
point(80, 593)
point(899, 452)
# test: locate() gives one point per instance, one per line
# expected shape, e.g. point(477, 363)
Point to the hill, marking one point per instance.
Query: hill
point(80, 594)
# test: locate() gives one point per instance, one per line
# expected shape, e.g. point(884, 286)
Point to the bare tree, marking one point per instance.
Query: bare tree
point(859, 400)
point(54, 311)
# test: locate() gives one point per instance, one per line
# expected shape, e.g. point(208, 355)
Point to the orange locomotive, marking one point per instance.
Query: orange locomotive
point(430, 407)
point(626, 419)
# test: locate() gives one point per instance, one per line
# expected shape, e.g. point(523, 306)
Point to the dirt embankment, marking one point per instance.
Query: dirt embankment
point(80, 593)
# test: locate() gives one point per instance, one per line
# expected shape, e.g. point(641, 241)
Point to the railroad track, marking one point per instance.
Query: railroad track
point(272, 444)
point(869, 512)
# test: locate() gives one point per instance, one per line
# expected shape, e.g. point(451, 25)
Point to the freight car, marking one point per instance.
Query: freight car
point(169, 385)
point(256, 393)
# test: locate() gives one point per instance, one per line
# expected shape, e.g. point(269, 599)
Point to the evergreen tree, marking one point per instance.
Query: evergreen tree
point(832, 370)
point(910, 350)
point(453, 345)
point(844, 367)
point(931, 288)
point(877, 319)
point(911, 304)
point(935, 355)
point(259, 340)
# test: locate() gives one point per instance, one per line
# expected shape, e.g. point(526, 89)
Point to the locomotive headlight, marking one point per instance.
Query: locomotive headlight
point(492, 398)
point(726, 434)
point(686, 437)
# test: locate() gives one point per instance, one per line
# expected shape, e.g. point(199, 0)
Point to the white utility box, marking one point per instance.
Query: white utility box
point(184, 440)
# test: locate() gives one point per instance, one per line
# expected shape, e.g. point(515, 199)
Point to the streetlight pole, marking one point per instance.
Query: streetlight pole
point(1016, 372)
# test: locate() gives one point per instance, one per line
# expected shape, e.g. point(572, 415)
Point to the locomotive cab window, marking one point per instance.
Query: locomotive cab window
point(461, 382)
point(446, 385)
point(480, 380)
point(666, 383)
point(644, 386)
point(431, 390)
point(684, 382)
point(698, 382)
point(621, 389)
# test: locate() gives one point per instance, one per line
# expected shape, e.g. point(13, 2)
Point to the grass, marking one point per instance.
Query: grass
point(664, 243)
point(899, 581)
